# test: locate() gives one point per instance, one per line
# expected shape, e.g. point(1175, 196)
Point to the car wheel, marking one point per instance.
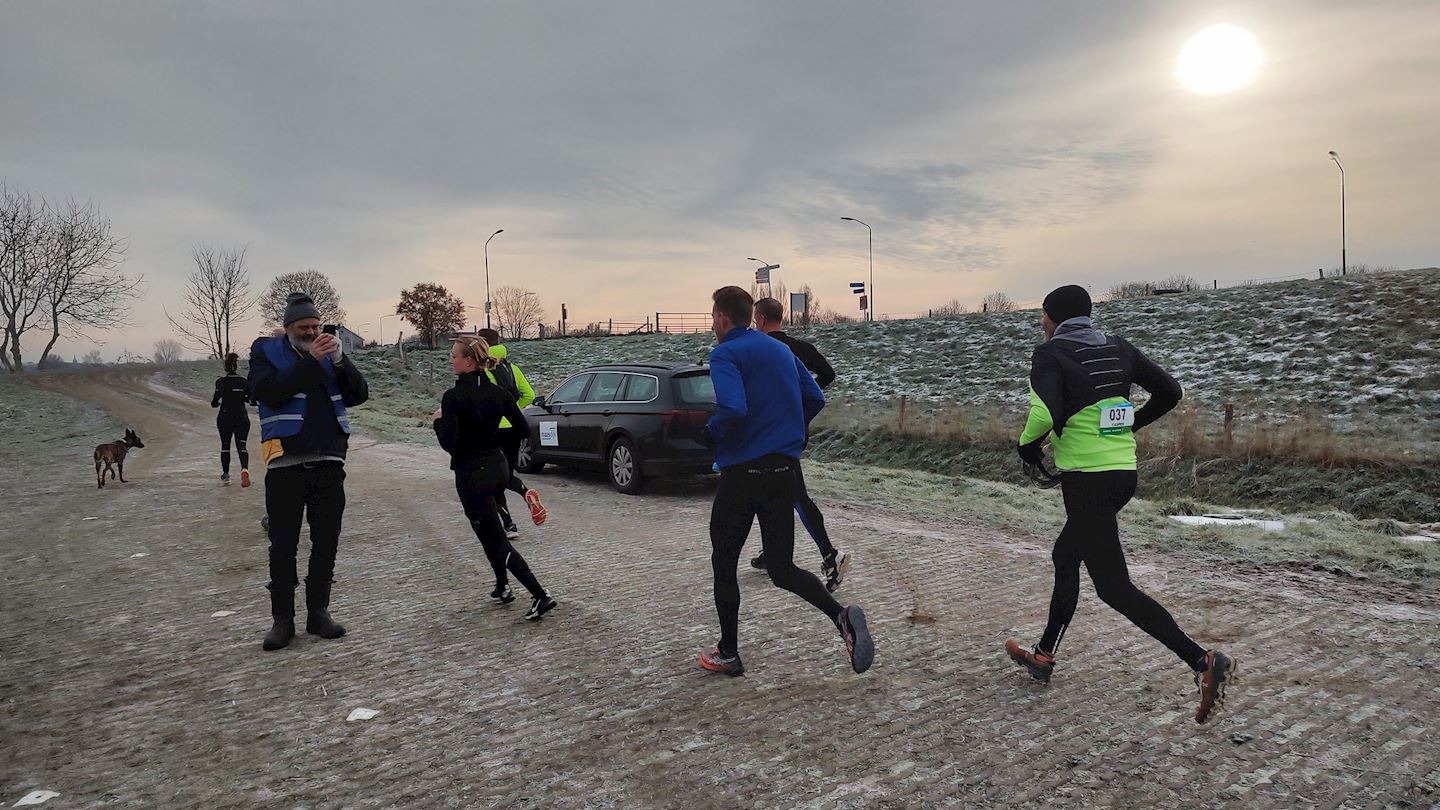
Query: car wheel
point(525, 461)
point(623, 466)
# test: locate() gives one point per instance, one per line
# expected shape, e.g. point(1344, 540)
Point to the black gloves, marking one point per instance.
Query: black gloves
point(1032, 453)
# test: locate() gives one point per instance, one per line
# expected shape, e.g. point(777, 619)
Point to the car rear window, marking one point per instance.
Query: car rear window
point(695, 389)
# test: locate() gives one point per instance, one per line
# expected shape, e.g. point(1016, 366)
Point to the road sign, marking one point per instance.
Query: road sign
point(864, 302)
point(762, 276)
point(857, 287)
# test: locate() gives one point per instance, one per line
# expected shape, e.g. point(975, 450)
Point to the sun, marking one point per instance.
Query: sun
point(1219, 59)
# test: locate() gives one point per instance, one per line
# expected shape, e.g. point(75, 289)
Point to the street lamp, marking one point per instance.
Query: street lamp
point(767, 266)
point(381, 323)
point(870, 289)
point(487, 276)
point(1335, 157)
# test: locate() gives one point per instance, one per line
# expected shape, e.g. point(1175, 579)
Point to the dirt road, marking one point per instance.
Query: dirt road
point(131, 672)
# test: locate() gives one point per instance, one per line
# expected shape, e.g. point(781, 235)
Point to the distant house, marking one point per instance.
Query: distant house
point(349, 341)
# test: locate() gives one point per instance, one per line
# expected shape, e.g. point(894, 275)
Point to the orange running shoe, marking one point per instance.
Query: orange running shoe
point(1038, 663)
point(1219, 673)
point(244, 478)
point(726, 665)
point(538, 512)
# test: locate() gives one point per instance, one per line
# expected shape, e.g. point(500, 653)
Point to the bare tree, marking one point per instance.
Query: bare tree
point(168, 350)
point(1129, 289)
point(1179, 281)
point(775, 289)
point(23, 224)
point(517, 313)
point(216, 297)
point(950, 309)
point(84, 291)
point(311, 282)
point(93, 358)
point(998, 302)
point(432, 310)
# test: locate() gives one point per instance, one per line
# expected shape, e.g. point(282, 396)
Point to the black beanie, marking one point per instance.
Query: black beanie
point(298, 306)
point(1064, 303)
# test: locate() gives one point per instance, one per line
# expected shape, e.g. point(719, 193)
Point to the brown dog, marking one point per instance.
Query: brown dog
point(114, 453)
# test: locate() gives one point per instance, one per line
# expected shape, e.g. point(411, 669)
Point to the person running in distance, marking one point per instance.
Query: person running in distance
point(770, 319)
point(232, 395)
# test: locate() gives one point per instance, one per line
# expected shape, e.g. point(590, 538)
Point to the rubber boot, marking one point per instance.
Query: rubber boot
point(317, 609)
point(282, 610)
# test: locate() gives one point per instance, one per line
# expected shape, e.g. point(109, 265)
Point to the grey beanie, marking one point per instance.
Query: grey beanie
point(298, 306)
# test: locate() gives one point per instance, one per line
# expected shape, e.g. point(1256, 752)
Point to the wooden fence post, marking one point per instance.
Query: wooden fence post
point(902, 413)
point(1229, 425)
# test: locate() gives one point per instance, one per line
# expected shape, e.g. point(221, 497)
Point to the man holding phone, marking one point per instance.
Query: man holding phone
point(304, 384)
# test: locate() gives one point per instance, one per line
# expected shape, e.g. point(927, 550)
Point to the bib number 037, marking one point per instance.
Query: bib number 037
point(1117, 419)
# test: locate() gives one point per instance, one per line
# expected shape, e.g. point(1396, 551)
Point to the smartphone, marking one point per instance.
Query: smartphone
point(328, 329)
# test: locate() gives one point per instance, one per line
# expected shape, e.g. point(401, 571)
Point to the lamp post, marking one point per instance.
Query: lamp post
point(870, 289)
point(381, 324)
point(487, 275)
point(1335, 157)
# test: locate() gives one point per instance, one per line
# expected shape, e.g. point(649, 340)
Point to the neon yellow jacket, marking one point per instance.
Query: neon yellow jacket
point(527, 393)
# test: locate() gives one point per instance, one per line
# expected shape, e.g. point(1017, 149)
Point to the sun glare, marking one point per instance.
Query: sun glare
point(1219, 59)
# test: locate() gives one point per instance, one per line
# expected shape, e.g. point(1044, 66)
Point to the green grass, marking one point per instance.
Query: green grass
point(33, 419)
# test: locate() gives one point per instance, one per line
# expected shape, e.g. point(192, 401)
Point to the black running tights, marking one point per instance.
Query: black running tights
point(477, 487)
point(1092, 536)
point(765, 488)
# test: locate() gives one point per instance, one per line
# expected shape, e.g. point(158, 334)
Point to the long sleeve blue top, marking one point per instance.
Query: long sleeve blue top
point(764, 398)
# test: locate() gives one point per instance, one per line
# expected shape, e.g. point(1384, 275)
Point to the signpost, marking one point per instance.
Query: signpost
point(864, 302)
point(800, 302)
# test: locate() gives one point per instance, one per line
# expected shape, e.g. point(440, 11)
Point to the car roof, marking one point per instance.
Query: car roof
point(671, 367)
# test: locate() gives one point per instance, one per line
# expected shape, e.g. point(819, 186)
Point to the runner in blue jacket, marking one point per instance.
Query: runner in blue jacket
point(764, 398)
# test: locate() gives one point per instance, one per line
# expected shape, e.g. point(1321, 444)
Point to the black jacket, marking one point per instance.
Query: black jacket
point(322, 433)
point(469, 423)
point(810, 357)
point(232, 394)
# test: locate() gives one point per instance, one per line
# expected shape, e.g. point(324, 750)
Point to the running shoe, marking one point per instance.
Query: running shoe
point(224, 478)
point(858, 644)
point(1219, 673)
point(244, 478)
point(539, 606)
point(714, 661)
point(502, 595)
point(538, 512)
point(1039, 664)
point(512, 532)
point(834, 568)
point(758, 562)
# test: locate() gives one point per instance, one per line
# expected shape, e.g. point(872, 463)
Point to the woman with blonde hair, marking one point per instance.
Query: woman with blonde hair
point(467, 423)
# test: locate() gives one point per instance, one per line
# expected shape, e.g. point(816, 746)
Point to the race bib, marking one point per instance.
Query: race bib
point(1116, 419)
point(549, 434)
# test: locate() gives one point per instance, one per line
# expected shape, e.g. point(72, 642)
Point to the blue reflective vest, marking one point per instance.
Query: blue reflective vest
point(289, 418)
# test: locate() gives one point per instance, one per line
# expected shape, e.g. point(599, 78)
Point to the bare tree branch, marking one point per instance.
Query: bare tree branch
point(23, 225)
point(84, 289)
point(517, 312)
point(216, 297)
point(311, 282)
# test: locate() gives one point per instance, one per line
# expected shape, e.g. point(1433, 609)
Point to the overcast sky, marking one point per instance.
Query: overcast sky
point(636, 152)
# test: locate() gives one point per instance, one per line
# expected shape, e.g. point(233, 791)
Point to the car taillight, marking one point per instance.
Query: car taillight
point(684, 418)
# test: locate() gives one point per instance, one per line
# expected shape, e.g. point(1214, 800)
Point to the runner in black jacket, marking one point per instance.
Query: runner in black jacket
point(769, 317)
point(232, 395)
point(468, 427)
